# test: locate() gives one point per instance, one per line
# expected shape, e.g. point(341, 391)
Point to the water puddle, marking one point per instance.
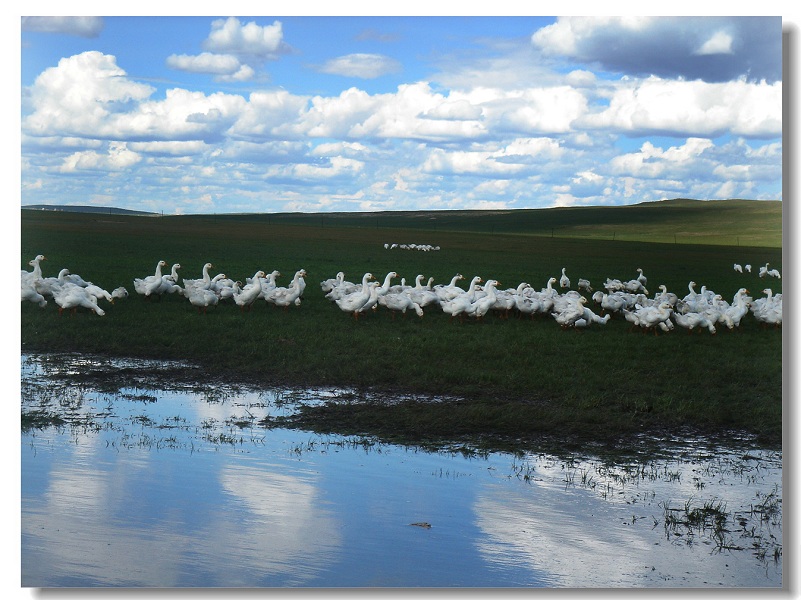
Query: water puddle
point(171, 486)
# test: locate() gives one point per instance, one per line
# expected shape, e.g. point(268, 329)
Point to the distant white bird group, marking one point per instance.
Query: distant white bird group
point(764, 271)
point(420, 247)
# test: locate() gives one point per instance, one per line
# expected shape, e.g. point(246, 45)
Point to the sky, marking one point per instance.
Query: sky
point(275, 113)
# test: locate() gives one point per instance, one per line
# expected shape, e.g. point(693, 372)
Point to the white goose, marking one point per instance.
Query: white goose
point(351, 303)
point(450, 291)
point(201, 298)
point(49, 286)
point(482, 306)
point(569, 311)
point(329, 284)
point(665, 296)
point(29, 294)
point(564, 280)
point(692, 320)
point(385, 287)
point(28, 280)
point(461, 303)
point(190, 285)
point(739, 307)
point(654, 316)
point(768, 310)
point(140, 285)
point(425, 296)
point(505, 300)
point(286, 296)
point(401, 302)
point(168, 284)
point(245, 297)
point(99, 293)
point(163, 285)
point(531, 304)
point(36, 272)
point(72, 297)
point(548, 289)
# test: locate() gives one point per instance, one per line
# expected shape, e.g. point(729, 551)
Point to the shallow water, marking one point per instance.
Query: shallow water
point(173, 488)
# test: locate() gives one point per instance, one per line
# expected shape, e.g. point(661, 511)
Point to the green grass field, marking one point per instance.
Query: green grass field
point(518, 379)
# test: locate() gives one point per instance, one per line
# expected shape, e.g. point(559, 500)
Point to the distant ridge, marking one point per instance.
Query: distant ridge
point(106, 210)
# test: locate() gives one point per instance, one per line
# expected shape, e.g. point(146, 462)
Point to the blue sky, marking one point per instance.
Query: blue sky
point(214, 114)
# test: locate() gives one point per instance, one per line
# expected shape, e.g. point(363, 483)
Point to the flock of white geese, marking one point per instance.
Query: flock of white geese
point(71, 292)
point(701, 309)
point(698, 309)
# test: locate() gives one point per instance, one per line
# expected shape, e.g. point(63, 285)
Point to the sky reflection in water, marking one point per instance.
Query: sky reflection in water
point(172, 493)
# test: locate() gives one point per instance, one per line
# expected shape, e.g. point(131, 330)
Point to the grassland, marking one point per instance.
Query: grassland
point(511, 380)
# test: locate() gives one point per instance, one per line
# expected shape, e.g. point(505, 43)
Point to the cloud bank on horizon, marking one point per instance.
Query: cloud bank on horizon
point(261, 114)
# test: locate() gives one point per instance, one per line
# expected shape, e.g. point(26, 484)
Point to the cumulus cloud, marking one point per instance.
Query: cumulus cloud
point(363, 66)
point(230, 36)
point(692, 107)
point(81, 95)
point(351, 149)
point(652, 162)
point(514, 159)
point(333, 168)
point(88, 95)
point(226, 67)
point(117, 158)
point(536, 110)
point(714, 49)
point(169, 148)
point(88, 27)
point(460, 110)
point(719, 43)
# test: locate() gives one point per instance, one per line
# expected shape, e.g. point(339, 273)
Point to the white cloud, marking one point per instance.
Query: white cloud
point(400, 115)
point(544, 149)
point(333, 116)
point(364, 66)
point(80, 96)
point(693, 107)
point(117, 158)
point(215, 64)
point(459, 110)
point(245, 73)
point(230, 36)
point(719, 43)
point(652, 162)
point(340, 149)
point(267, 112)
point(88, 27)
point(336, 166)
point(535, 110)
point(169, 148)
point(514, 159)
